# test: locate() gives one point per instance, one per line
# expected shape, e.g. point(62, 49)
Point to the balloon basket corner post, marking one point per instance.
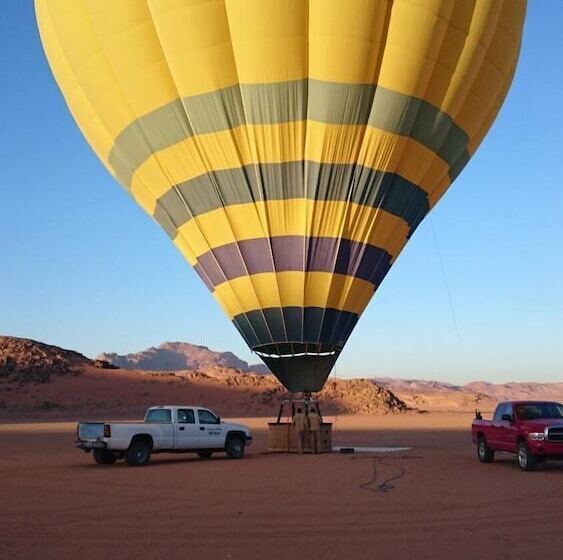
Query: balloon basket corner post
point(283, 436)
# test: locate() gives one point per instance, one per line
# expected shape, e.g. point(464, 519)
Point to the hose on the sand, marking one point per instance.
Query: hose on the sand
point(386, 485)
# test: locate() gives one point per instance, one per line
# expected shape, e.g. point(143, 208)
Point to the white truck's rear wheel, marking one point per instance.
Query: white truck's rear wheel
point(104, 457)
point(138, 454)
point(205, 454)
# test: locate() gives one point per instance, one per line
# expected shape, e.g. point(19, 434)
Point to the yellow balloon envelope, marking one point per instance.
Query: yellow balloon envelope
point(289, 148)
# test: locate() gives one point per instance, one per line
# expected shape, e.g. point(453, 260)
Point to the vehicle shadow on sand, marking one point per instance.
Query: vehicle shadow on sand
point(162, 462)
point(507, 461)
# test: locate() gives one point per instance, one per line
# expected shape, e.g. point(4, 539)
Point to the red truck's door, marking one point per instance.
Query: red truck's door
point(504, 429)
point(493, 433)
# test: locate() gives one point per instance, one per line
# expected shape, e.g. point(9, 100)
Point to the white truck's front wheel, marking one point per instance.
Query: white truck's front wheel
point(235, 447)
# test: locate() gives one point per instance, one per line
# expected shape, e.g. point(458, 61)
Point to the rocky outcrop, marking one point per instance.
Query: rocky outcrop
point(361, 396)
point(345, 396)
point(23, 361)
point(103, 364)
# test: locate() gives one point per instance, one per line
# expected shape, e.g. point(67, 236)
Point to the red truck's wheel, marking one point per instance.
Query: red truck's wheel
point(526, 460)
point(484, 453)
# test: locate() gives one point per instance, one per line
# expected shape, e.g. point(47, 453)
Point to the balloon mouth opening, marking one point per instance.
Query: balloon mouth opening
point(300, 366)
point(296, 350)
point(295, 355)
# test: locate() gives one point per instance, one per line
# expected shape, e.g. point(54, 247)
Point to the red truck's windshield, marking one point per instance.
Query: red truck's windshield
point(534, 411)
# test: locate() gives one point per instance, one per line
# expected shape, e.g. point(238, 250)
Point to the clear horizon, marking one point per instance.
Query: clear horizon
point(82, 267)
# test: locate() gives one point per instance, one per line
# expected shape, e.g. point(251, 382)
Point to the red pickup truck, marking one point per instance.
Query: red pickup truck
point(533, 430)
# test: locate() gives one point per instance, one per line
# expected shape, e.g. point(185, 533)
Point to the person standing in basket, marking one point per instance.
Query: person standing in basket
point(315, 430)
point(299, 425)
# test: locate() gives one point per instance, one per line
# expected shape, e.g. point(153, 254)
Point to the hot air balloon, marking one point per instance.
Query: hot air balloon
point(289, 148)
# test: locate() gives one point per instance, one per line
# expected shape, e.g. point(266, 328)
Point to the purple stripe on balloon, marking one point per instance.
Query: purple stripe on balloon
point(293, 253)
point(204, 277)
point(288, 252)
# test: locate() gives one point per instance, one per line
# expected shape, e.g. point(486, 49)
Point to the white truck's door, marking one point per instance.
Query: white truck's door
point(211, 429)
point(159, 421)
point(187, 434)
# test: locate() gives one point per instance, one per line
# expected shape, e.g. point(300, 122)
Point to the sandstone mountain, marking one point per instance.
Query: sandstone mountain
point(176, 356)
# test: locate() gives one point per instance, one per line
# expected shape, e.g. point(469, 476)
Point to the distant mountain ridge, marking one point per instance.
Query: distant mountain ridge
point(176, 356)
point(440, 395)
point(511, 390)
point(24, 361)
point(518, 390)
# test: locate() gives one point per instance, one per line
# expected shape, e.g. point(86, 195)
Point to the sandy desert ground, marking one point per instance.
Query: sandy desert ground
point(432, 501)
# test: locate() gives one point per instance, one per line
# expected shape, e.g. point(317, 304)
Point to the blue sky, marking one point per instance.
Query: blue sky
point(81, 266)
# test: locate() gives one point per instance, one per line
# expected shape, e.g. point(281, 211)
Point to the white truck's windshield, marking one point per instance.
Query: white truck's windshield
point(206, 417)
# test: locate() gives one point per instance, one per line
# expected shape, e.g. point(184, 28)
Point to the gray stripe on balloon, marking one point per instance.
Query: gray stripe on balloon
point(281, 181)
point(326, 328)
point(293, 253)
point(325, 102)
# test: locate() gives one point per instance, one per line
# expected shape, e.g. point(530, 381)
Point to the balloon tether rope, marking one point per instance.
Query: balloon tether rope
point(448, 292)
point(335, 412)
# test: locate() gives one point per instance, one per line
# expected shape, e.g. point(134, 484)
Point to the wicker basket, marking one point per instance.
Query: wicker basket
point(283, 438)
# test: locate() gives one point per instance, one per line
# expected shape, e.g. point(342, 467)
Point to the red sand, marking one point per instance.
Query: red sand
point(56, 503)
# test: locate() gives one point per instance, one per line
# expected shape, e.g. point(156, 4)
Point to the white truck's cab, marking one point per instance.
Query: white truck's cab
point(166, 429)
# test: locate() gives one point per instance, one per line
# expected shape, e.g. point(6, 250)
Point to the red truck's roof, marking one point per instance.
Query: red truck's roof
point(529, 402)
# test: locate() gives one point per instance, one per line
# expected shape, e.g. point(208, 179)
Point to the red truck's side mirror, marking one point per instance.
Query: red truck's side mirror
point(507, 418)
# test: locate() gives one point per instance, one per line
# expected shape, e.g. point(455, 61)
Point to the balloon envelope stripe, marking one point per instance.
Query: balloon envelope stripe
point(313, 100)
point(294, 253)
point(337, 182)
point(297, 216)
point(287, 142)
point(291, 288)
point(293, 324)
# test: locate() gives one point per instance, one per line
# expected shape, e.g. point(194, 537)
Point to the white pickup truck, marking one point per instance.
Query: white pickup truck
point(166, 429)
